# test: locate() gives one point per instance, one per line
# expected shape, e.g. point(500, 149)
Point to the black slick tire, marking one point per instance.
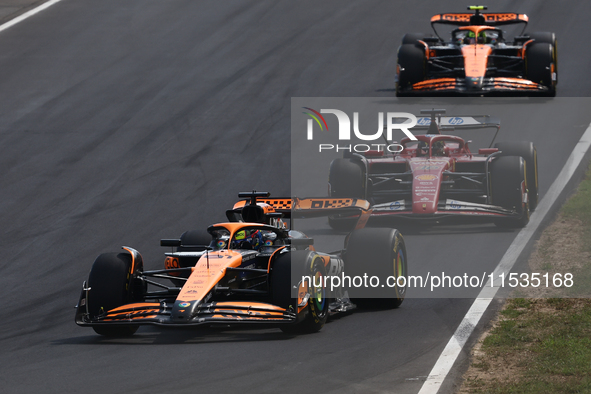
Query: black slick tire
point(411, 67)
point(346, 179)
point(548, 38)
point(528, 151)
point(381, 253)
point(110, 287)
point(284, 277)
point(540, 66)
point(507, 177)
point(412, 38)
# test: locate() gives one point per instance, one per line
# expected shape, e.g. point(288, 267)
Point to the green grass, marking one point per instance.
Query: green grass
point(548, 341)
point(581, 283)
point(545, 342)
point(579, 207)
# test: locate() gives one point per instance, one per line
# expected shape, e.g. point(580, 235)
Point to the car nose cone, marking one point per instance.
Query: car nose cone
point(474, 83)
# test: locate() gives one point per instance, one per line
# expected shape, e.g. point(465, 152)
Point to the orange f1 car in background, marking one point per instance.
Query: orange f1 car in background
point(249, 270)
point(479, 59)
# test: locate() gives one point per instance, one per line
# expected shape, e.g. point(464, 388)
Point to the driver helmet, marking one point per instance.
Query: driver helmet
point(470, 37)
point(252, 237)
point(482, 37)
point(438, 148)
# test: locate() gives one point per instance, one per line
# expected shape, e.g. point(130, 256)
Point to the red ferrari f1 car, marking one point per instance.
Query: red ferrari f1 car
point(438, 178)
point(249, 270)
point(478, 59)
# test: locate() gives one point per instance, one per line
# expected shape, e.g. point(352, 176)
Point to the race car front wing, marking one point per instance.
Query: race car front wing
point(160, 313)
point(445, 208)
point(484, 86)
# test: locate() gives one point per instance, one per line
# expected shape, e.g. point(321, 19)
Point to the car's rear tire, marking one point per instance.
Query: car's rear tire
point(543, 37)
point(111, 285)
point(412, 38)
point(284, 277)
point(411, 66)
point(377, 252)
point(508, 184)
point(346, 179)
point(528, 151)
point(541, 65)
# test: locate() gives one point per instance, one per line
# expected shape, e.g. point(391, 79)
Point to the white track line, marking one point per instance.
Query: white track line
point(27, 14)
point(458, 340)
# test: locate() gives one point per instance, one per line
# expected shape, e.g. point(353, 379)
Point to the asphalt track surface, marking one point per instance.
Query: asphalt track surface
point(125, 122)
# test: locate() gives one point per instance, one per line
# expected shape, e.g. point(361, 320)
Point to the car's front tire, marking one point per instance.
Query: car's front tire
point(541, 66)
point(410, 68)
point(284, 277)
point(548, 38)
point(111, 285)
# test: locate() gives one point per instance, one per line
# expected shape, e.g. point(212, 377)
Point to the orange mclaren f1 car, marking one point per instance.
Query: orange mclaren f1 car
point(479, 59)
point(252, 269)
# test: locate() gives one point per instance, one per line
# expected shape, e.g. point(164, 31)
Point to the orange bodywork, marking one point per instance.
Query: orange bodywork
point(211, 267)
point(282, 204)
point(329, 203)
point(476, 59)
point(476, 56)
point(439, 83)
point(241, 310)
point(140, 310)
point(444, 84)
point(271, 204)
point(244, 304)
point(452, 18)
point(235, 314)
point(208, 271)
point(133, 259)
point(488, 17)
point(515, 83)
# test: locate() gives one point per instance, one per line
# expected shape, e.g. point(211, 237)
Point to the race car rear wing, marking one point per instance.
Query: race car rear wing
point(302, 208)
point(488, 19)
point(435, 122)
point(478, 18)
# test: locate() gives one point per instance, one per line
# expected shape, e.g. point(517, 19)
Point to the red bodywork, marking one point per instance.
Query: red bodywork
point(432, 178)
point(427, 172)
